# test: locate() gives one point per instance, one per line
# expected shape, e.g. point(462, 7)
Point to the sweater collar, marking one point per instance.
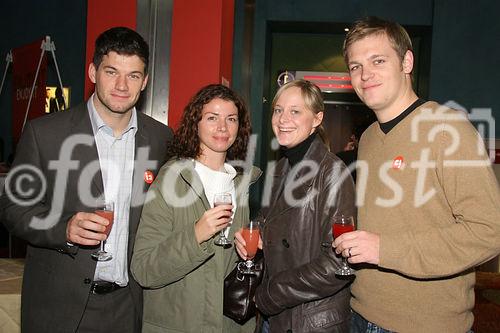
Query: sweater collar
point(297, 153)
point(389, 125)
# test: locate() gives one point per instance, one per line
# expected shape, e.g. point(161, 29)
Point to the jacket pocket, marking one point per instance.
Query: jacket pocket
point(324, 318)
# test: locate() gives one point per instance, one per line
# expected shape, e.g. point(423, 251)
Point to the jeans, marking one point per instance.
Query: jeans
point(265, 326)
point(361, 325)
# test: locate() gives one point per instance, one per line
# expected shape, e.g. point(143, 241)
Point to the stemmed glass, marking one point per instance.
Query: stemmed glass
point(107, 211)
point(340, 225)
point(251, 234)
point(222, 199)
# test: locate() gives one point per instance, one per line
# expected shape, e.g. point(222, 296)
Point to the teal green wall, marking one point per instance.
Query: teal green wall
point(466, 55)
point(306, 52)
point(463, 58)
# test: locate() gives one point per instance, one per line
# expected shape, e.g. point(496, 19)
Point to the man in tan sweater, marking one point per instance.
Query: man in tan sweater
point(429, 203)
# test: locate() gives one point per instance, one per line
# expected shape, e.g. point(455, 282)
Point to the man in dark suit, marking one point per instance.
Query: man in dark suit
point(68, 163)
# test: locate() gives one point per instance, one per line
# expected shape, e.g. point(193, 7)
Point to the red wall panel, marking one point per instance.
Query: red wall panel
point(201, 49)
point(102, 15)
point(226, 60)
point(201, 43)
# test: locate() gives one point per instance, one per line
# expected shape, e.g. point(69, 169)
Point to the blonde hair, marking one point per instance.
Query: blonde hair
point(313, 99)
point(397, 35)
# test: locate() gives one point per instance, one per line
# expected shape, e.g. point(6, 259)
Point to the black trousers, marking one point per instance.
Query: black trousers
point(113, 312)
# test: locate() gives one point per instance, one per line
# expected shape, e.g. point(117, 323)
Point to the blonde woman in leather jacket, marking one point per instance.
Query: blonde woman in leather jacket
point(300, 292)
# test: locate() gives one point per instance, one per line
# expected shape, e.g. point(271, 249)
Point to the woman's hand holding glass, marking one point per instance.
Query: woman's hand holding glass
point(223, 199)
point(248, 241)
point(212, 221)
point(241, 245)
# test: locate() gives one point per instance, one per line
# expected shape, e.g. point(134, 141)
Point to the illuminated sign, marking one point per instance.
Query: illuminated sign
point(55, 101)
point(330, 82)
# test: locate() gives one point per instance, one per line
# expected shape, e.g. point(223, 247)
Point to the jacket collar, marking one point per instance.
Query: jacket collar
point(315, 154)
point(139, 186)
point(81, 124)
point(190, 176)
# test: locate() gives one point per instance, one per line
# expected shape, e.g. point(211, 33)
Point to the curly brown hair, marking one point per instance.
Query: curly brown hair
point(186, 141)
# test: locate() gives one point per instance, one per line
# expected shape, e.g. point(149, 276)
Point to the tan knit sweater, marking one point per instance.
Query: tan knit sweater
point(435, 223)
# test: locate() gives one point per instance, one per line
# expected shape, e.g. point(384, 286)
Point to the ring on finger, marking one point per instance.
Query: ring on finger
point(350, 255)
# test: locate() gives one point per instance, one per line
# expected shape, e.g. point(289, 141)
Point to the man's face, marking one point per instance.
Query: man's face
point(378, 76)
point(119, 80)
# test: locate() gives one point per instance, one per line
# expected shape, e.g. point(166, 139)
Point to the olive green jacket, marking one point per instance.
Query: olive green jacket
point(184, 279)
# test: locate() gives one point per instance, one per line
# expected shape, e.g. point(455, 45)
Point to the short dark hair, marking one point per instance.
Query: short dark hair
point(121, 40)
point(186, 141)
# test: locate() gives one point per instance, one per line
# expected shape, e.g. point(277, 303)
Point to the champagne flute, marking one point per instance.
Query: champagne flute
point(340, 225)
point(222, 199)
point(106, 211)
point(251, 234)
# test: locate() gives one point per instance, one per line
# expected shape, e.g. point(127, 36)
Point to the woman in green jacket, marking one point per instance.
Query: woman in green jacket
point(175, 258)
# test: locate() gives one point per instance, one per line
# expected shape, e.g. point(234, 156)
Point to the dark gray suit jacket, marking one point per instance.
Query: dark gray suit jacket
point(57, 277)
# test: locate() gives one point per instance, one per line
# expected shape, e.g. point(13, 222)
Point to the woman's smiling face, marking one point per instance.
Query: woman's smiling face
point(292, 120)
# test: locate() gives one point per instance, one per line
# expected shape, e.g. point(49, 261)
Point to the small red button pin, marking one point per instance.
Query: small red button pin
point(398, 162)
point(148, 176)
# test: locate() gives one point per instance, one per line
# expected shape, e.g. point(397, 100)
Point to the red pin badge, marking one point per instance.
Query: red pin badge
point(148, 176)
point(398, 162)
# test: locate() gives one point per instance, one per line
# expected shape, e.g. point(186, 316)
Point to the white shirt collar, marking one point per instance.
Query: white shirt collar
point(98, 123)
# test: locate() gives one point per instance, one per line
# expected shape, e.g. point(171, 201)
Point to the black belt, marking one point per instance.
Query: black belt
point(104, 287)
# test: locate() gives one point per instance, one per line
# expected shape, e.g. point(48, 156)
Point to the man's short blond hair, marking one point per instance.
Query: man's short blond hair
point(369, 26)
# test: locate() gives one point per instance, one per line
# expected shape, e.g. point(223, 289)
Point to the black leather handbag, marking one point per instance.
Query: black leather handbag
point(239, 291)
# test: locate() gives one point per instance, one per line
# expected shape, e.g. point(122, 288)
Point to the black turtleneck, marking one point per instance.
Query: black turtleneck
point(388, 126)
point(296, 154)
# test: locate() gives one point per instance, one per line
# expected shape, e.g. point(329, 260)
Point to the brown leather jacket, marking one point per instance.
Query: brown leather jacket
point(300, 291)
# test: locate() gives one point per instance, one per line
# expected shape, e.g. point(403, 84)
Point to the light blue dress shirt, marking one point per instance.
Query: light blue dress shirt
point(116, 158)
